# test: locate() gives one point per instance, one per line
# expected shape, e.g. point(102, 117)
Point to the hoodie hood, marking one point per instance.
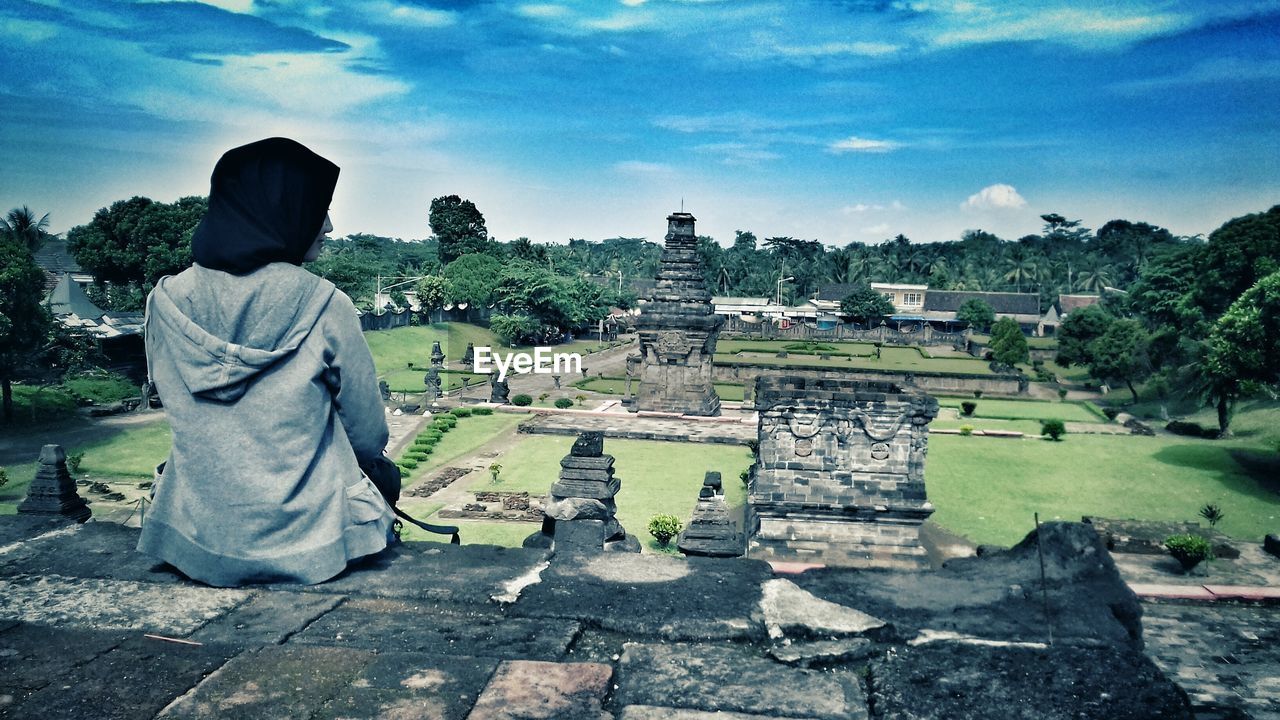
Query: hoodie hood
point(223, 330)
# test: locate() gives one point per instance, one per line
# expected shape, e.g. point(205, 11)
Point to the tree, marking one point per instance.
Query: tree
point(22, 227)
point(1079, 329)
point(137, 241)
point(1008, 344)
point(1243, 351)
point(1238, 254)
point(512, 328)
point(24, 320)
point(865, 305)
point(1121, 353)
point(433, 291)
point(473, 278)
point(976, 312)
point(459, 227)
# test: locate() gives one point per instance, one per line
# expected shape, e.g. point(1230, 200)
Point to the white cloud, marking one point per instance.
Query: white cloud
point(384, 11)
point(633, 3)
point(642, 168)
point(857, 144)
point(542, 11)
point(995, 197)
point(832, 49)
point(734, 153)
point(1084, 27)
point(622, 22)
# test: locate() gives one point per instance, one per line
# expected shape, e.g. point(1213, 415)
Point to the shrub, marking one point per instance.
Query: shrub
point(1062, 393)
point(664, 527)
point(966, 430)
point(745, 476)
point(495, 472)
point(1053, 429)
point(415, 455)
point(408, 463)
point(564, 403)
point(580, 398)
point(1110, 412)
point(1188, 550)
point(425, 441)
point(444, 423)
point(1213, 513)
point(543, 397)
point(74, 460)
point(4, 477)
point(977, 394)
point(460, 412)
point(482, 411)
point(522, 400)
point(1190, 429)
point(967, 407)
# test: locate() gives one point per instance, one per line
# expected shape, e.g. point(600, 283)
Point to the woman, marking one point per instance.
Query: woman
point(268, 385)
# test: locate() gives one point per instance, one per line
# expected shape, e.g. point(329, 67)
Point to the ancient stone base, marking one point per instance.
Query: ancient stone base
point(53, 492)
point(840, 541)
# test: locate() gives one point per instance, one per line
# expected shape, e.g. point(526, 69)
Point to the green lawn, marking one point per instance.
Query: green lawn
point(469, 434)
point(1027, 427)
point(774, 346)
point(1025, 409)
point(988, 489)
point(394, 349)
point(892, 359)
point(411, 381)
point(656, 478)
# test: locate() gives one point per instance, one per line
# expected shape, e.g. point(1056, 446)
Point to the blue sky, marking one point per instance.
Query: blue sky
point(839, 121)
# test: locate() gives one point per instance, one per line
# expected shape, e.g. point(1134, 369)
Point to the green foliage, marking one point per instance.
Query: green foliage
point(1081, 328)
point(4, 477)
point(522, 400)
point(482, 411)
point(1189, 550)
point(1213, 513)
point(1053, 429)
point(976, 312)
point(967, 407)
point(20, 226)
point(663, 527)
point(1110, 412)
point(1240, 253)
point(1008, 344)
point(444, 423)
point(966, 430)
point(866, 306)
point(460, 412)
point(73, 461)
point(564, 403)
point(407, 463)
point(25, 324)
point(511, 329)
point(137, 241)
point(580, 398)
point(1062, 393)
point(458, 227)
point(1121, 352)
point(433, 291)
point(473, 278)
point(495, 473)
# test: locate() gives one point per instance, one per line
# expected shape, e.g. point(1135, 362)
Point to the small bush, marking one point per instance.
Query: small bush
point(753, 445)
point(1190, 429)
point(444, 423)
point(1110, 412)
point(1062, 393)
point(543, 397)
point(1188, 550)
point(745, 476)
point(424, 442)
point(966, 430)
point(564, 403)
point(522, 400)
point(495, 473)
point(977, 394)
point(482, 411)
point(74, 460)
point(664, 527)
point(408, 463)
point(967, 407)
point(1213, 513)
point(1053, 429)
point(580, 398)
point(460, 412)
point(415, 455)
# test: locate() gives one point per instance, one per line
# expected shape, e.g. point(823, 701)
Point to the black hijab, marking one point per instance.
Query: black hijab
point(267, 203)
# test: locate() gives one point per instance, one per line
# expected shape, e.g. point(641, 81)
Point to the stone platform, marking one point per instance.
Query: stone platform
point(629, 426)
point(90, 628)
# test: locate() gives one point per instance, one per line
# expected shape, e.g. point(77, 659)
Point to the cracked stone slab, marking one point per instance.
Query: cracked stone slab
point(379, 624)
point(824, 652)
point(33, 657)
point(113, 604)
point(533, 690)
point(459, 574)
point(412, 685)
point(273, 682)
point(733, 678)
point(93, 550)
point(679, 599)
point(791, 610)
point(136, 678)
point(266, 619)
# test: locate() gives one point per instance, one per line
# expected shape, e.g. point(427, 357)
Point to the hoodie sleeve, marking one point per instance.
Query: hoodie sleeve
point(353, 380)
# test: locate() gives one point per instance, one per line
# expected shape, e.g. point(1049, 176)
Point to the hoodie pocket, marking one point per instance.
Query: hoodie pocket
point(365, 503)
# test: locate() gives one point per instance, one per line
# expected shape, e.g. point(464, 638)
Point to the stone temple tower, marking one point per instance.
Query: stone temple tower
point(678, 329)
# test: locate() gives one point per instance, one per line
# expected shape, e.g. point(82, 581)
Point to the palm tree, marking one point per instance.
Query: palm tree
point(21, 225)
point(1022, 268)
point(1094, 274)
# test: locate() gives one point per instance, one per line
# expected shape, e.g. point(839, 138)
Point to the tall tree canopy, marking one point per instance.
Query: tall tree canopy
point(866, 306)
point(22, 226)
point(458, 226)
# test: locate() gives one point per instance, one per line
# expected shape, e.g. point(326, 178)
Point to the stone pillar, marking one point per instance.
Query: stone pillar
point(840, 477)
point(678, 329)
point(580, 509)
point(711, 532)
point(469, 356)
point(53, 492)
point(437, 355)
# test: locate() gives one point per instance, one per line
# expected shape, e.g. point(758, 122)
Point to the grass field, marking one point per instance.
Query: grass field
point(988, 489)
point(412, 381)
point(394, 349)
point(469, 434)
point(656, 478)
point(1026, 409)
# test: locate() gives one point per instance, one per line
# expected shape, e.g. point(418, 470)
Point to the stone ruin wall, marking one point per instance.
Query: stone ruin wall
point(840, 473)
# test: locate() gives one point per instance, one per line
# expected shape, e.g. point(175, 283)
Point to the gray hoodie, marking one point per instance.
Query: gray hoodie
point(271, 394)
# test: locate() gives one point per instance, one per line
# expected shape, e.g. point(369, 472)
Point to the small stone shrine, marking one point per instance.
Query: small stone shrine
point(469, 356)
point(711, 532)
point(437, 355)
point(53, 491)
point(678, 329)
point(499, 392)
point(839, 478)
point(578, 515)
